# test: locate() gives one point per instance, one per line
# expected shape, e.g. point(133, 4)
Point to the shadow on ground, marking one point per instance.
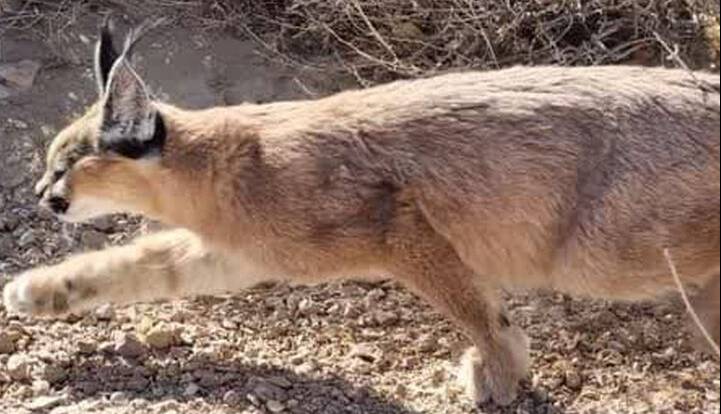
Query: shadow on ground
point(235, 384)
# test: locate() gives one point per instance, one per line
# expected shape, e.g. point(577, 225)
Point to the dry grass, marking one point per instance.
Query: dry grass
point(378, 40)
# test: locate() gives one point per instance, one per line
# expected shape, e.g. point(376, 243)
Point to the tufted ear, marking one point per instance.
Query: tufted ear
point(131, 126)
point(105, 55)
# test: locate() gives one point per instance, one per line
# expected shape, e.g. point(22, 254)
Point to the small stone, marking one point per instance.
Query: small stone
point(46, 403)
point(18, 124)
point(364, 352)
point(104, 224)
point(52, 373)
point(87, 347)
point(307, 307)
point(27, 238)
point(574, 380)
point(232, 397)
point(129, 346)
point(17, 77)
point(161, 337)
point(18, 367)
point(385, 318)
point(275, 406)
point(427, 343)
point(351, 311)
point(281, 382)
point(118, 396)
point(191, 390)
point(41, 388)
point(105, 313)
point(94, 239)
point(7, 345)
point(306, 368)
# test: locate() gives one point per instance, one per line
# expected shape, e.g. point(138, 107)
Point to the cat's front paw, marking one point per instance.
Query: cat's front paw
point(41, 293)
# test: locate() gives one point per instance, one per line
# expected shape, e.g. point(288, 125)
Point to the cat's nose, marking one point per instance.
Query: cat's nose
point(58, 205)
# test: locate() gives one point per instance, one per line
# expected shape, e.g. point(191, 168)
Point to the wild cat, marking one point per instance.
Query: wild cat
point(455, 186)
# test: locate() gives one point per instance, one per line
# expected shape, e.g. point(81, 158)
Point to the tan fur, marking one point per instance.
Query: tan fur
point(456, 186)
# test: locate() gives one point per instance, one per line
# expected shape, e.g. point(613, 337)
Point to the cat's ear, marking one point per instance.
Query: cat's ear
point(131, 126)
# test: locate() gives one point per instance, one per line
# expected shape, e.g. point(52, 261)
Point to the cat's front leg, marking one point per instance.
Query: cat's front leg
point(166, 265)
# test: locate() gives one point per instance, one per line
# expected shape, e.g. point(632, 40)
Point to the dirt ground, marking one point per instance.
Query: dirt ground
point(344, 348)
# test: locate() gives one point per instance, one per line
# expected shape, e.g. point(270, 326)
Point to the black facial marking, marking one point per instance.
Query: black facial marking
point(504, 321)
point(134, 148)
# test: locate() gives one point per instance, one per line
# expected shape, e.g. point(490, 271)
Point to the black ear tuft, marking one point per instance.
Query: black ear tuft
point(105, 55)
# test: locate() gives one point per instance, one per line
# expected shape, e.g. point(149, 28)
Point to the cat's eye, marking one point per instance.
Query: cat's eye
point(59, 174)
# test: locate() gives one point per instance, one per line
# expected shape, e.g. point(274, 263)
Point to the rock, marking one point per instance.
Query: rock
point(41, 388)
point(93, 239)
point(104, 224)
point(574, 380)
point(87, 347)
point(364, 352)
point(275, 406)
point(17, 77)
point(7, 345)
point(52, 373)
point(232, 397)
point(427, 343)
point(27, 238)
point(105, 313)
point(161, 337)
point(118, 396)
point(191, 390)
point(18, 367)
point(128, 346)
point(308, 307)
point(46, 403)
point(17, 123)
point(385, 319)
point(267, 391)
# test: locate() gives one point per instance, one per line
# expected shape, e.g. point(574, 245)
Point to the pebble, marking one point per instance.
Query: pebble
point(41, 388)
point(275, 406)
point(7, 345)
point(232, 397)
point(46, 403)
point(52, 373)
point(27, 238)
point(93, 239)
point(87, 347)
point(118, 396)
point(308, 307)
point(191, 390)
point(18, 367)
point(161, 337)
point(128, 346)
point(105, 313)
point(385, 319)
point(364, 352)
point(574, 380)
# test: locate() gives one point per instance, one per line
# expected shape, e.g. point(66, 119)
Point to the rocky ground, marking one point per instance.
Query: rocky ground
point(344, 348)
